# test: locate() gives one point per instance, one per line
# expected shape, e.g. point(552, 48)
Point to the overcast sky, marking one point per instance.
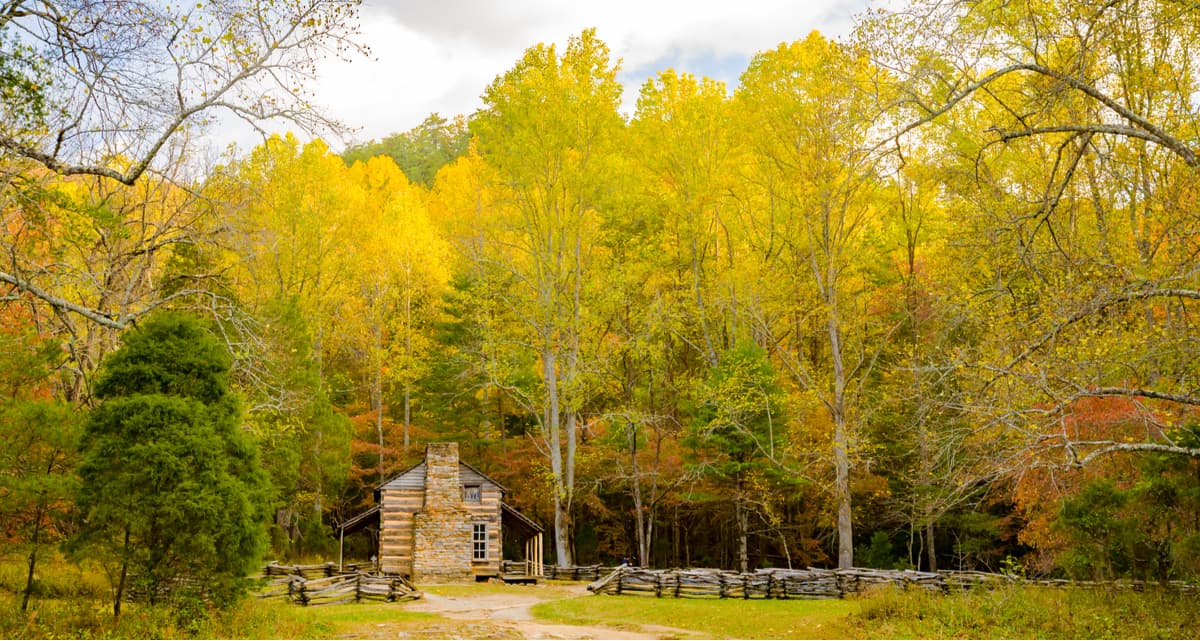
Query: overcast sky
point(438, 55)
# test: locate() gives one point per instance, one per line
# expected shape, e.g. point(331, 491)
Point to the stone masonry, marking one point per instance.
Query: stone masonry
point(442, 529)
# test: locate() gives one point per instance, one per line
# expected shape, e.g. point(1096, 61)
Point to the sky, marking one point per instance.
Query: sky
point(439, 55)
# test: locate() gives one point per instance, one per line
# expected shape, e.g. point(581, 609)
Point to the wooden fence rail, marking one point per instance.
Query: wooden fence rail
point(562, 573)
point(274, 569)
point(576, 572)
point(338, 588)
point(814, 583)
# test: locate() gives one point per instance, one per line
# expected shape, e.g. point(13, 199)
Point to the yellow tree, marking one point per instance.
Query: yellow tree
point(290, 211)
point(399, 262)
point(1073, 142)
point(480, 349)
point(290, 219)
point(114, 89)
point(811, 200)
point(670, 278)
point(89, 255)
point(547, 127)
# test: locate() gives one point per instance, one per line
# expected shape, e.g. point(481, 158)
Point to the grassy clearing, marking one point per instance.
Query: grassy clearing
point(71, 601)
point(1027, 612)
point(1006, 613)
point(252, 619)
point(715, 618)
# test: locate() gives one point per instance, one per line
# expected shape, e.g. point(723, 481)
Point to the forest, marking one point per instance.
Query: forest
point(922, 297)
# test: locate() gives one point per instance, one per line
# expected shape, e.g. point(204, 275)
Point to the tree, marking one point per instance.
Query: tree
point(547, 127)
point(38, 443)
point(1070, 153)
point(92, 254)
point(812, 188)
point(289, 249)
point(666, 308)
point(111, 88)
point(421, 151)
point(400, 264)
point(170, 485)
point(739, 426)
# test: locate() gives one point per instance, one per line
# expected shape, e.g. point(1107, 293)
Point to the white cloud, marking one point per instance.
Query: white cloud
point(439, 56)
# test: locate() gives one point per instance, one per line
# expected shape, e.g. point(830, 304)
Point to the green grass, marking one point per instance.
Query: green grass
point(73, 601)
point(1027, 613)
point(251, 619)
point(1006, 613)
point(714, 618)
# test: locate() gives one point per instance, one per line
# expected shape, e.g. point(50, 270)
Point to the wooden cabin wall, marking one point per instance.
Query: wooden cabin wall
point(488, 511)
point(396, 528)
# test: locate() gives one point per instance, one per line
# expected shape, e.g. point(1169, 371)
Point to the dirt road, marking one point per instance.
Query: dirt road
point(504, 614)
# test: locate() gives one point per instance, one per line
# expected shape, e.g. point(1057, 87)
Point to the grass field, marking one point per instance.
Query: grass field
point(1029, 613)
point(1007, 613)
point(73, 603)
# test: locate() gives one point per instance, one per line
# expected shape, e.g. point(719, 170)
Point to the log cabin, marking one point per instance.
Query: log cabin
point(442, 521)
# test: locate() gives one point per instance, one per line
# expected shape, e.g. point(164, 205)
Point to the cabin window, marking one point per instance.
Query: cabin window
point(472, 494)
point(479, 542)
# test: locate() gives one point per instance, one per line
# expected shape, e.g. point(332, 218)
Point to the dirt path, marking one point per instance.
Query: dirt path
point(506, 615)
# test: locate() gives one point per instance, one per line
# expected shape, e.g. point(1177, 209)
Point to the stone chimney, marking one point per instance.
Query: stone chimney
point(442, 487)
point(442, 529)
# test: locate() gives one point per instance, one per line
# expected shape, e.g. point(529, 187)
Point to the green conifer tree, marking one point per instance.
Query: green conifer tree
point(171, 487)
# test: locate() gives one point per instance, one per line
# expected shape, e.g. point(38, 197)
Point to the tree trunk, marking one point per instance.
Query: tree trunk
point(636, 487)
point(379, 429)
point(562, 549)
point(841, 441)
point(845, 526)
point(929, 545)
point(377, 393)
point(675, 538)
point(569, 484)
point(120, 594)
point(407, 414)
point(743, 526)
point(408, 330)
point(37, 532)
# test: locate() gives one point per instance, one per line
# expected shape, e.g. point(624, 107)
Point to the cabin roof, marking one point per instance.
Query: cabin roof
point(510, 514)
point(414, 477)
point(360, 520)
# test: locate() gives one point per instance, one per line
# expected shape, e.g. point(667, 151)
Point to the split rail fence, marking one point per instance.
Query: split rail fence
point(814, 583)
point(576, 572)
point(324, 585)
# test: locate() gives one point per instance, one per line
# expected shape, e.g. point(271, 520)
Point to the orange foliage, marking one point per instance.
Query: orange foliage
point(1040, 491)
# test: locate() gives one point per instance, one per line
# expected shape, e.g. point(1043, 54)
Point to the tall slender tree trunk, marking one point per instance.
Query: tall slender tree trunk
point(408, 356)
point(841, 436)
point(37, 532)
point(569, 484)
point(636, 489)
point(553, 427)
point(743, 527)
point(120, 593)
point(377, 396)
point(929, 544)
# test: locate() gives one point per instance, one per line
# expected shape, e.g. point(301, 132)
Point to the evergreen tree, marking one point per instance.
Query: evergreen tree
point(740, 432)
point(171, 486)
